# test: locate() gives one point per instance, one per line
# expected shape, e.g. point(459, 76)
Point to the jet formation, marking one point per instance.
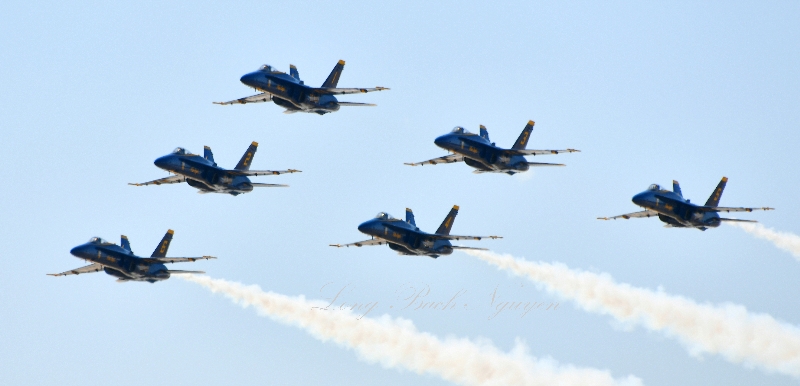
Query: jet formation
point(677, 212)
point(291, 93)
point(405, 238)
point(480, 153)
point(203, 173)
point(120, 261)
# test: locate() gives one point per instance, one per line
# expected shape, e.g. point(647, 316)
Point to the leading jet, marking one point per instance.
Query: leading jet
point(480, 153)
point(677, 212)
point(291, 93)
point(203, 173)
point(120, 262)
point(405, 238)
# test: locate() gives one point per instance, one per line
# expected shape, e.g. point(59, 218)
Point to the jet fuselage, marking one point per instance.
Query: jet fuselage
point(121, 263)
point(204, 175)
point(290, 93)
point(405, 238)
point(676, 211)
point(481, 154)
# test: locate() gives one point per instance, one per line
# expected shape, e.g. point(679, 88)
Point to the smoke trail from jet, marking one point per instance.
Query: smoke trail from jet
point(396, 343)
point(787, 241)
point(726, 329)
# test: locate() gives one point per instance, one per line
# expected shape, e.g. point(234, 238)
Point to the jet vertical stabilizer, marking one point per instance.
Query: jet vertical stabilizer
point(447, 224)
point(714, 199)
point(247, 158)
point(333, 78)
point(163, 246)
point(522, 141)
point(293, 72)
point(485, 133)
point(410, 217)
point(676, 187)
point(207, 154)
point(124, 243)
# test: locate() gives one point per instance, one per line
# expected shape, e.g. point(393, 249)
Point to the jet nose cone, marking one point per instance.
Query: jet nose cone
point(248, 79)
point(162, 162)
point(442, 141)
point(78, 251)
point(367, 227)
point(640, 199)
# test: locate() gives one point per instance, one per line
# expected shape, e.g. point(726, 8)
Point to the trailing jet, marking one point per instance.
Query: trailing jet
point(482, 154)
point(291, 93)
point(204, 174)
point(405, 238)
point(678, 212)
point(120, 262)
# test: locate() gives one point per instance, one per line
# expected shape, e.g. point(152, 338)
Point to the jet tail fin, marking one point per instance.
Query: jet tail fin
point(247, 158)
point(522, 141)
point(293, 72)
point(163, 246)
point(124, 243)
point(485, 133)
point(207, 154)
point(410, 217)
point(333, 78)
point(676, 187)
point(447, 224)
point(717, 194)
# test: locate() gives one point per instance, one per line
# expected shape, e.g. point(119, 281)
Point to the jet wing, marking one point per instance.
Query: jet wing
point(726, 209)
point(736, 220)
point(644, 213)
point(180, 259)
point(77, 271)
point(342, 91)
point(166, 180)
point(264, 97)
point(260, 185)
point(355, 104)
point(472, 248)
point(538, 152)
point(441, 160)
point(543, 164)
point(261, 172)
point(456, 237)
point(361, 243)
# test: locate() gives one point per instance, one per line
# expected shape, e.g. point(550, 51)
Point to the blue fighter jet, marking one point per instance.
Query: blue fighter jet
point(204, 174)
point(480, 153)
point(677, 212)
point(405, 238)
point(291, 93)
point(120, 262)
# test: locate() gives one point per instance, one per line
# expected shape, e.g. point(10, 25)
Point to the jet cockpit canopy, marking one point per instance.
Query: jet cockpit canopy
point(267, 68)
point(460, 130)
point(98, 240)
point(384, 216)
point(654, 187)
point(181, 151)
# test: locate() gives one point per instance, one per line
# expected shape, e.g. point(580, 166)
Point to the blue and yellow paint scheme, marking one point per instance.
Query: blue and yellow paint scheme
point(291, 93)
point(677, 212)
point(405, 238)
point(120, 261)
point(477, 151)
point(202, 173)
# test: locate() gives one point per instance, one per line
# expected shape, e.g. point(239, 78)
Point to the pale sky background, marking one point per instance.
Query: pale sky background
point(92, 93)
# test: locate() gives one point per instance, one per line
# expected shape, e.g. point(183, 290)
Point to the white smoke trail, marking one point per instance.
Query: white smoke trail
point(787, 241)
point(396, 343)
point(726, 329)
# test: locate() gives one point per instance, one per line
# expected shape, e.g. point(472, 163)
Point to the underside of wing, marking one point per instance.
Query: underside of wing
point(441, 160)
point(539, 152)
point(535, 164)
point(262, 172)
point(342, 91)
point(77, 271)
point(456, 237)
point(735, 220)
point(644, 213)
point(361, 243)
point(166, 180)
point(181, 259)
point(355, 104)
point(260, 98)
point(472, 248)
point(727, 210)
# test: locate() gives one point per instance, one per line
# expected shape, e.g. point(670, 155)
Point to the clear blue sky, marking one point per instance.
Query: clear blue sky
point(91, 93)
